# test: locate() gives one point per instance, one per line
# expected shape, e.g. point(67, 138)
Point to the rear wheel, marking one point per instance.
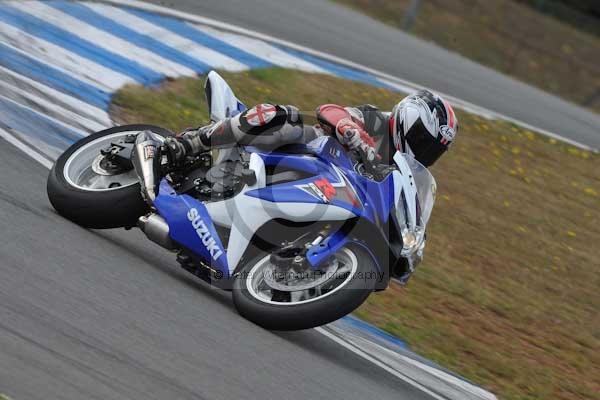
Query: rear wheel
point(280, 301)
point(84, 188)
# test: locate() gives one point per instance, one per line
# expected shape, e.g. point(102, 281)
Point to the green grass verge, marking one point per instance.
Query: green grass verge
point(508, 36)
point(508, 292)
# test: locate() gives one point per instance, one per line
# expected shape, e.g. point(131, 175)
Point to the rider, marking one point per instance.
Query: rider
point(422, 124)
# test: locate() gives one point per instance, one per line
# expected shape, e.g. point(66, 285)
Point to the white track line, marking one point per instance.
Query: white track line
point(441, 375)
point(379, 74)
point(380, 364)
point(225, 26)
point(25, 148)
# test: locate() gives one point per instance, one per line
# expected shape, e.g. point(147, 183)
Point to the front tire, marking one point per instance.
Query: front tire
point(287, 315)
point(97, 202)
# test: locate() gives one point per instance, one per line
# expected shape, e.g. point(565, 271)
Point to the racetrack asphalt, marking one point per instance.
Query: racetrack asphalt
point(108, 315)
point(328, 27)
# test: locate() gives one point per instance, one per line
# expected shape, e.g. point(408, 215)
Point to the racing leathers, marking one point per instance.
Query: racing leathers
point(267, 126)
point(271, 126)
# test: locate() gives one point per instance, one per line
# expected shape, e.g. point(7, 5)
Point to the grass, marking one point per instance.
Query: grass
point(508, 36)
point(508, 294)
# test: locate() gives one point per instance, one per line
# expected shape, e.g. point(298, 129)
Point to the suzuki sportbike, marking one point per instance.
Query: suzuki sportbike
point(301, 235)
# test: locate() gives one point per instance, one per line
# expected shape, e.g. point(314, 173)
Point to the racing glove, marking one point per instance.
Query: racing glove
point(350, 134)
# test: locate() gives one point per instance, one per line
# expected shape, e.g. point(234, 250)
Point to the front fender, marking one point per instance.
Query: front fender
point(381, 243)
point(331, 245)
point(319, 253)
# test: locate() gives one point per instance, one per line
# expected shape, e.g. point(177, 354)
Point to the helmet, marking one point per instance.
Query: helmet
point(424, 125)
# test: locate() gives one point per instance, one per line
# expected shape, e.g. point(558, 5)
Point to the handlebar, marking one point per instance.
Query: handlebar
point(376, 170)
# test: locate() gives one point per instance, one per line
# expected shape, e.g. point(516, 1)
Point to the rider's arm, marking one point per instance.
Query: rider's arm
point(348, 127)
point(375, 121)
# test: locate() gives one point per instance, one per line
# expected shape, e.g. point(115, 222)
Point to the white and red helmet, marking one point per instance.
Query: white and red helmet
point(424, 125)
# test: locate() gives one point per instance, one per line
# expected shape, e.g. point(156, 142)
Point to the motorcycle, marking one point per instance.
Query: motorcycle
point(301, 235)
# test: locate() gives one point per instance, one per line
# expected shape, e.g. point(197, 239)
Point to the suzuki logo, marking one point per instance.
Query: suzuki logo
point(204, 234)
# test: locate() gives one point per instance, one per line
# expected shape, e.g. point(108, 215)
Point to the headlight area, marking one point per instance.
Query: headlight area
point(412, 254)
point(409, 247)
point(413, 241)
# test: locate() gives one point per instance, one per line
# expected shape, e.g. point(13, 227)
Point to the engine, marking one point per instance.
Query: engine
point(216, 182)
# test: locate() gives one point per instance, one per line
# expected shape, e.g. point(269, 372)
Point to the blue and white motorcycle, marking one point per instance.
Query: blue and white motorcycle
point(301, 235)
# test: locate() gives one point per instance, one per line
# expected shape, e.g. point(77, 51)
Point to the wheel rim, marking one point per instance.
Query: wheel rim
point(83, 171)
point(336, 275)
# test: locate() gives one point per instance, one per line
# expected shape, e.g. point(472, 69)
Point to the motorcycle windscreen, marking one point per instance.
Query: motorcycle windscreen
point(426, 187)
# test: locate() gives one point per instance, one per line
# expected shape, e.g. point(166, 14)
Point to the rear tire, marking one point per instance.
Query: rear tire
point(323, 310)
point(98, 209)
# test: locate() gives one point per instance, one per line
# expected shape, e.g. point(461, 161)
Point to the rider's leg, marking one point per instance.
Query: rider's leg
point(264, 125)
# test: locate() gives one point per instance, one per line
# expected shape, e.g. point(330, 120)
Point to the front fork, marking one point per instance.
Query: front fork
point(311, 251)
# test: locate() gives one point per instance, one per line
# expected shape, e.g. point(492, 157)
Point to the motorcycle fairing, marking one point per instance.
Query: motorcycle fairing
point(328, 161)
point(221, 100)
point(246, 212)
point(191, 226)
point(375, 197)
point(363, 197)
point(330, 151)
point(245, 215)
point(329, 187)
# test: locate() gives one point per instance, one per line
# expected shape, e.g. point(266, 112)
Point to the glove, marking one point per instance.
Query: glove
point(350, 134)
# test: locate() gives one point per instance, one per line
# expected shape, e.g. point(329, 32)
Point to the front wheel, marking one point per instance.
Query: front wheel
point(294, 301)
point(86, 189)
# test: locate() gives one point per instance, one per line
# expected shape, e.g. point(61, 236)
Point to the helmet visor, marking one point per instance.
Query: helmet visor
point(424, 146)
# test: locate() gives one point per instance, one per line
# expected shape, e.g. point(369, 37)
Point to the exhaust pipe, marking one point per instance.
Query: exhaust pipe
point(145, 159)
point(156, 229)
